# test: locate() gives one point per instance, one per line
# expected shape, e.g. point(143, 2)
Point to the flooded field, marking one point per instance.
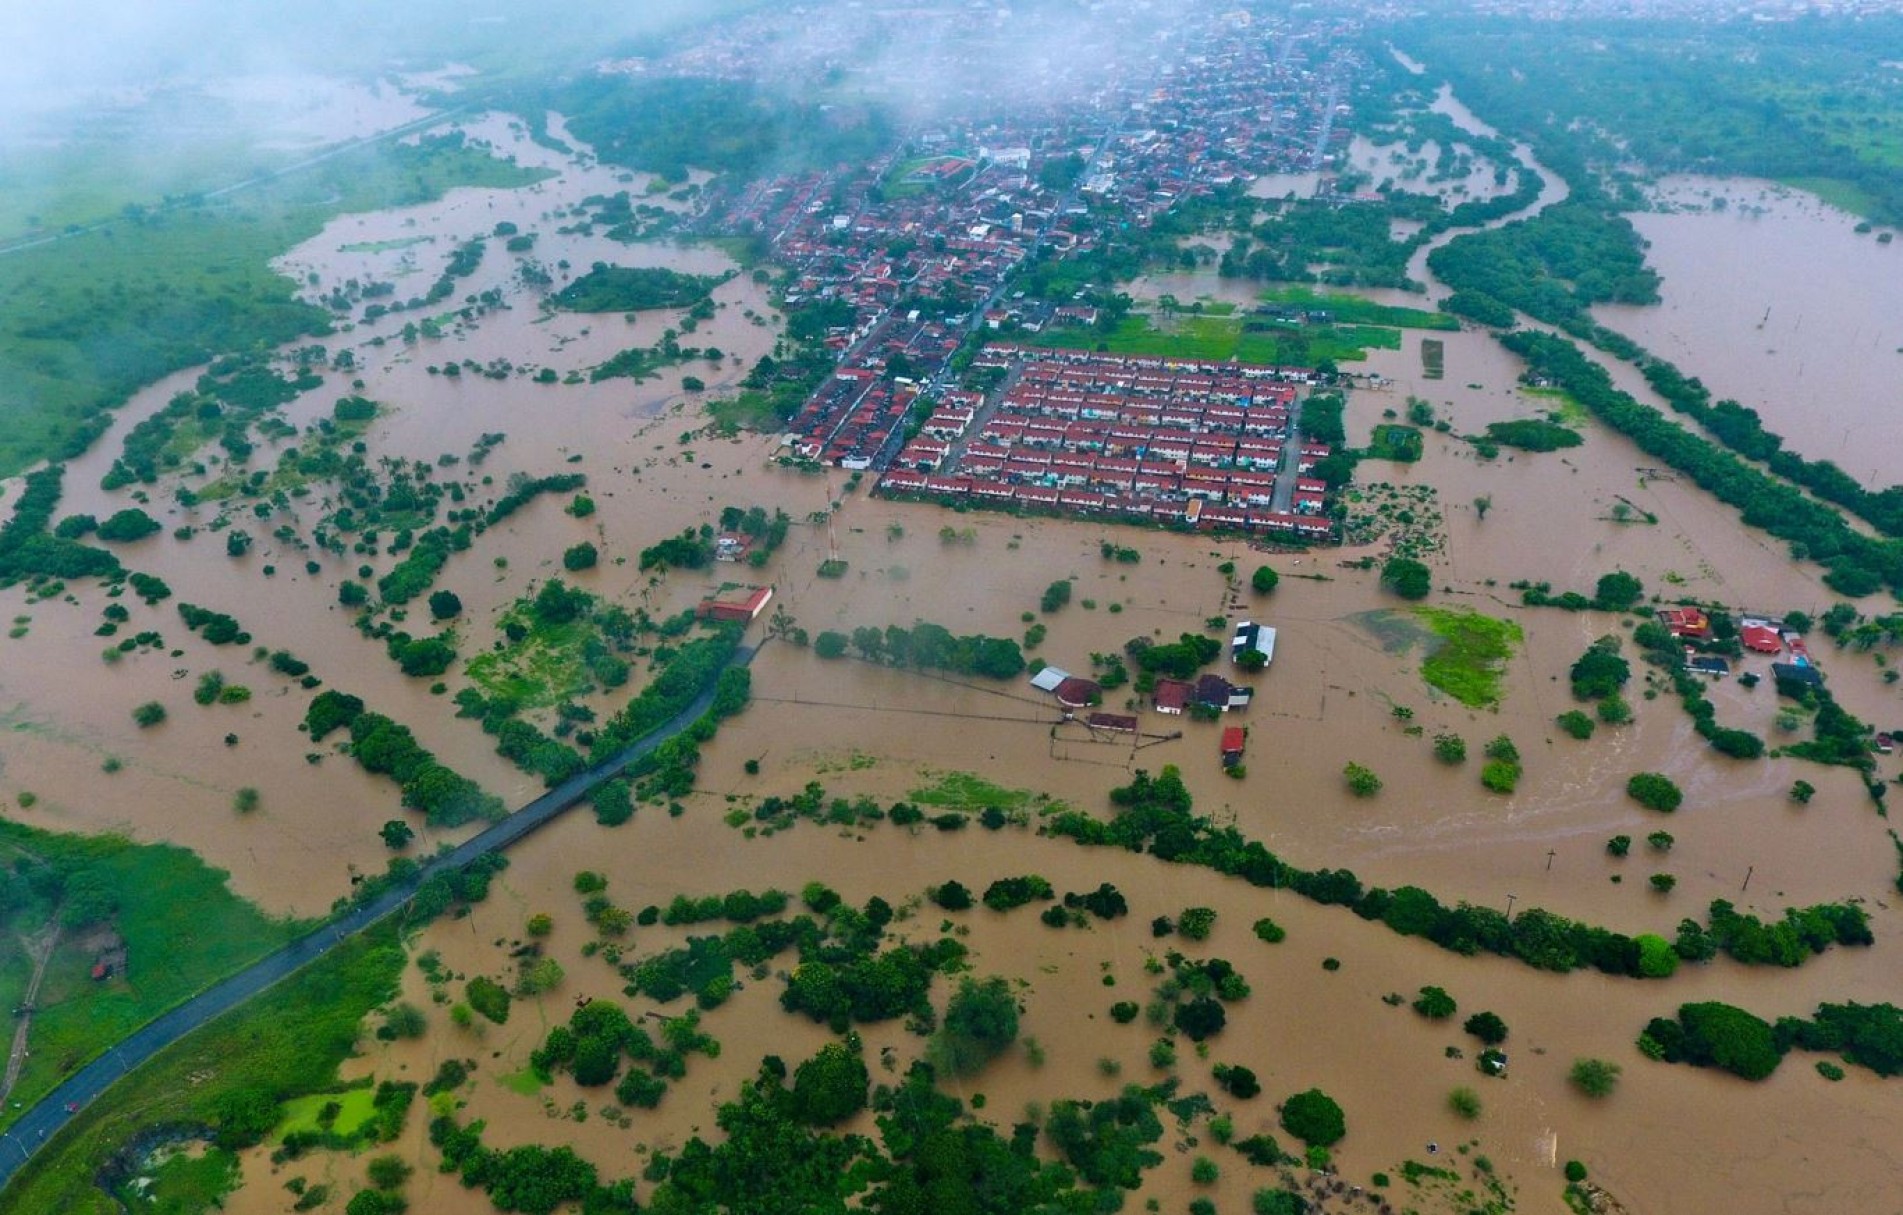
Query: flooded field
point(616, 432)
point(1346, 686)
point(1776, 301)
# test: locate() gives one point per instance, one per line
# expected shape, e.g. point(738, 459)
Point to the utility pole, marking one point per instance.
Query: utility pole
point(1748, 871)
point(1549, 860)
point(1510, 899)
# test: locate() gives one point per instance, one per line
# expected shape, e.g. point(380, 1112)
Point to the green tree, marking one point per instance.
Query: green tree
point(1486, 1026)
point(396, 834)
point(1263, 580)
point(1654, 791)
point(580, 557)
point(1657, 958)
point(830, 644)
point(1464, 1102)
point(1196, 922)
point(127, 526)
point(1313, 1117)
point(831, 1086)
point(1575, 723)
point(1594, 1077)
point(1450, 748)
point(405, 1020)
point(445, 604)
point(388, 1172)
point(981, 1022)
point(1617, 592)
point(149, 714)
point(1362, 782)
point(1407, 578)
point(1435, 1004)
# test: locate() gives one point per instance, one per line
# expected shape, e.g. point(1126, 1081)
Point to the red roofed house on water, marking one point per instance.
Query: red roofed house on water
point(1075, 693)
point(1172, 695)
point(1688, 623)
point(737, 607)
point(1233, 741)
point(1762, 638)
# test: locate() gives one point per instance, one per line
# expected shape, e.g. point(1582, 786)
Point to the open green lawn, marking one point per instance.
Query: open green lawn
point(1221, 338)
point(287, 1043)
point(183, 930)
point(86, 321)
point(1471, 658)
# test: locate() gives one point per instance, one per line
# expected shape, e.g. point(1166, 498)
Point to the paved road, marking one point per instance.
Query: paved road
point(58, 1107)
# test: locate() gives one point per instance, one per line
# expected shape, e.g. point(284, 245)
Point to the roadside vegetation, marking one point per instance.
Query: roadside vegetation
point(165, 925)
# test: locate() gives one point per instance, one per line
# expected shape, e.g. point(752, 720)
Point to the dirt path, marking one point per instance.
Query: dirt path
point(43, 953)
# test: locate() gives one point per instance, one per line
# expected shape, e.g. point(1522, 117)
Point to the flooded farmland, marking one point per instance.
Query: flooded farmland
point(1346, 686)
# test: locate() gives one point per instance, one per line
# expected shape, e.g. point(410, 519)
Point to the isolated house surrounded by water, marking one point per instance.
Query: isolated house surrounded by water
point(1250, 637)
point(737, 606)
point(1215, 692)
point(1172, 696)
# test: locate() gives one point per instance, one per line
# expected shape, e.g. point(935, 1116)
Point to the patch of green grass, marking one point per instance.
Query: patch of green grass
point(552, 661)
point(1561, 407)
point(1205, 336)
point(524, 1083)
point(966, 791)
point(749, 410)
point(183, 929)
point(301, 1113)
point(288, 1043)
point(1844, 195)
point(1471, 657)
point(1354, 310)
point(184, 1183)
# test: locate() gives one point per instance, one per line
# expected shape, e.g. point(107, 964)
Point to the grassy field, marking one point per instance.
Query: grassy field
point(552, 662)
point(964, 791)
point(188, 1183)
point(1844, 195)
point(300, 1114)
point(183, 930)
point(1471, 658)
point(86, 321)
point(1221, 338)
point(287, 1043)
point(1354, 310)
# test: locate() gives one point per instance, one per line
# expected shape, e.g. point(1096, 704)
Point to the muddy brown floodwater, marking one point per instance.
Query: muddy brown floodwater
point(1775, 300)
point(1670, 1140)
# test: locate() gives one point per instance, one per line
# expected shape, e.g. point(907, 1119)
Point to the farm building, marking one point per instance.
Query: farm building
point(1215, 692)
point(1252, 638)
point(737, 606)
point(1234, 740)
point(1173, 695)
